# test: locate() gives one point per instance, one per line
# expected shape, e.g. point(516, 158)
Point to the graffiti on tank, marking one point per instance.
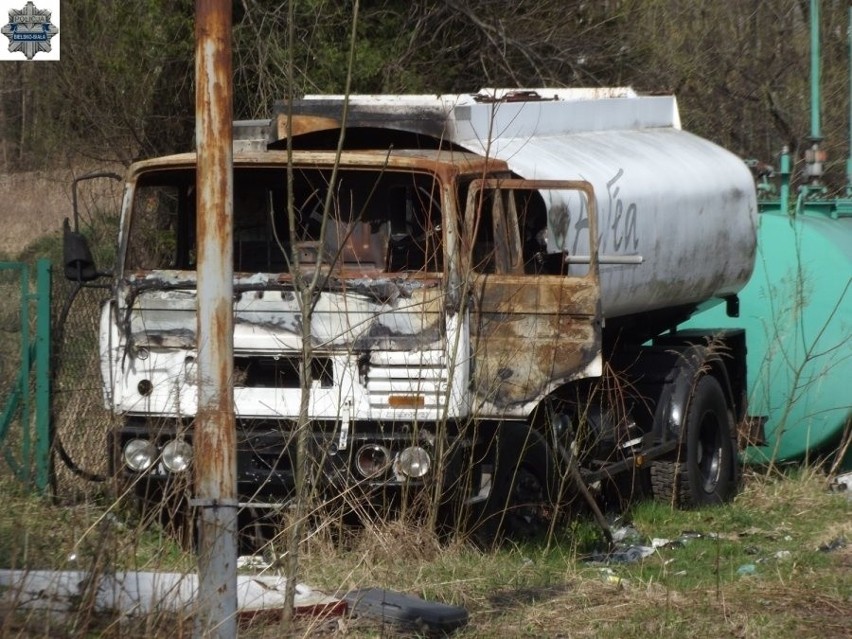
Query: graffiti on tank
point(618, 230)
point(621, 217)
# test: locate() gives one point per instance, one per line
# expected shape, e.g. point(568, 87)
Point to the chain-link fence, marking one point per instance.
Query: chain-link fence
point(80, 420)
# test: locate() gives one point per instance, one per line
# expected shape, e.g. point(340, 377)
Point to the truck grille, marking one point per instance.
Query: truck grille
point(420, 374)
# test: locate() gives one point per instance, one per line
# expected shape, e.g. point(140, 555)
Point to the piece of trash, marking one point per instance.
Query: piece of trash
point(57, 593)
point(746, 569)
point(608, 576)
point(842, 483)
point(408, 612)
point(625, 533)
point(783, 555)
point(690, 534)
point(631, 554)
point(252, 561)
point(838, 543)
point(657, 542)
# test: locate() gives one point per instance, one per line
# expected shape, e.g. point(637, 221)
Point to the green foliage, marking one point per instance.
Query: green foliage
point(124, 87)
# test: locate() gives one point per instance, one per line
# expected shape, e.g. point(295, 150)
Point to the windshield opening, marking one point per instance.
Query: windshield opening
point(377, 220)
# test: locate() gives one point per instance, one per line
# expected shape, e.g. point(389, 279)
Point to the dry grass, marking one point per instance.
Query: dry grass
point(525, 590)
point(36, 203)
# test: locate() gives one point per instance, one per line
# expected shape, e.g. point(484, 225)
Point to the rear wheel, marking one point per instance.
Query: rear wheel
point(705, 470)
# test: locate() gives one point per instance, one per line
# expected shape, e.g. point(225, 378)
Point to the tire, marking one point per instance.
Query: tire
point(706, 470)
point(523, 500)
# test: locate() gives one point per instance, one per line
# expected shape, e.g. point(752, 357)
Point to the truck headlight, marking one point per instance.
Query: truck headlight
point(177, 455)
point(139, 454)
point(413, 462)
point(372, 459)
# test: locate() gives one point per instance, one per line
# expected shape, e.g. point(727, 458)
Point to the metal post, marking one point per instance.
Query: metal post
point(42, 372)
point(26, 426)
point(215, 432)
point(849, 97)
point(816, 128)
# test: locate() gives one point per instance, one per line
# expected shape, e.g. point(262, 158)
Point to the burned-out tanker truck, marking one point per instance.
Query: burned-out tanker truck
point(497, 283)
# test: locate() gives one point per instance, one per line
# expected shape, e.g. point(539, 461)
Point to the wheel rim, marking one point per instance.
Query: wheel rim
point(709, 452)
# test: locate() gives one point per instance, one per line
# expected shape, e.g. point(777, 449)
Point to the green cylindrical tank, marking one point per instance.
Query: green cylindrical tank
point(797, 312)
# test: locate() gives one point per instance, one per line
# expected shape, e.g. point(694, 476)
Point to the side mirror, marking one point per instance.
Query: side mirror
point(76, 256)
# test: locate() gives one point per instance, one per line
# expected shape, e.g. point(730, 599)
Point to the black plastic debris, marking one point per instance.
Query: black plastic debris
point(838, 543)
point(406, 612)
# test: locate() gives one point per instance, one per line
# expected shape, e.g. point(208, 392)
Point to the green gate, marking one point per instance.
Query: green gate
point(25, 372)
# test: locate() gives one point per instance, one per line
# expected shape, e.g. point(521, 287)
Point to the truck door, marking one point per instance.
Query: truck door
point(533, 326)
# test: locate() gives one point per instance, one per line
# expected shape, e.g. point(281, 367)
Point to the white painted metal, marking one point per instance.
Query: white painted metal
point(57, 593)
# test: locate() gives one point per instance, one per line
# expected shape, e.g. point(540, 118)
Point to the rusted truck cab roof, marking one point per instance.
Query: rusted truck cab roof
point(444, 163)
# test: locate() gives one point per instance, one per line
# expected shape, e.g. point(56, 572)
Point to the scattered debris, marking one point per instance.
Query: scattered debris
point(253, 562)
point(838, 543)
point(625, 534)
point(609, 576)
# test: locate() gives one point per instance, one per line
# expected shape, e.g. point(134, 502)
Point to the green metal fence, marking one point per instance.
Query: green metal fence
point(25, 372)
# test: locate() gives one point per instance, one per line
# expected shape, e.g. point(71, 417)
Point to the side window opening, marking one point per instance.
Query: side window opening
point(507, 229)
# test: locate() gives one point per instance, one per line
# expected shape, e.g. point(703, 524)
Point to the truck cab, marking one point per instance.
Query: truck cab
point(438, 313)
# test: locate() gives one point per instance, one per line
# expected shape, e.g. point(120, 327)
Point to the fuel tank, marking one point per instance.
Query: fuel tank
point(797, 311)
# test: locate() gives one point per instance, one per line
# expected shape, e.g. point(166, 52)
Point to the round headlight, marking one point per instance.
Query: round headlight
point(139, 454)
point(413, 462)
point(372, 460)
point(177, 455)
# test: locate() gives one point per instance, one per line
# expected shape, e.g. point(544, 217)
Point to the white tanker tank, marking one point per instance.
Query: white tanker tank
point(677, 213)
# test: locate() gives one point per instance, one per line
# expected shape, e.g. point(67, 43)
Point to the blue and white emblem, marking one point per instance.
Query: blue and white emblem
point(29, 30)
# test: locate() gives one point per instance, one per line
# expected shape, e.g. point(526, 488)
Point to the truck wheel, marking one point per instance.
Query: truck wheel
point(523, 500)
point(705, 472)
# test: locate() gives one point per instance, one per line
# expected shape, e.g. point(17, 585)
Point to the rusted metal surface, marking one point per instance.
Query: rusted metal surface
point(531, 333)
point(215, 431)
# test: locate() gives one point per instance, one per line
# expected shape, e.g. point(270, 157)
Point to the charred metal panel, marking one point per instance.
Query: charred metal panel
point(531, 332)
point(373, 339)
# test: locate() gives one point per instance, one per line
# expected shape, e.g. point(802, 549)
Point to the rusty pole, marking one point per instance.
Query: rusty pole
point(215, 430)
